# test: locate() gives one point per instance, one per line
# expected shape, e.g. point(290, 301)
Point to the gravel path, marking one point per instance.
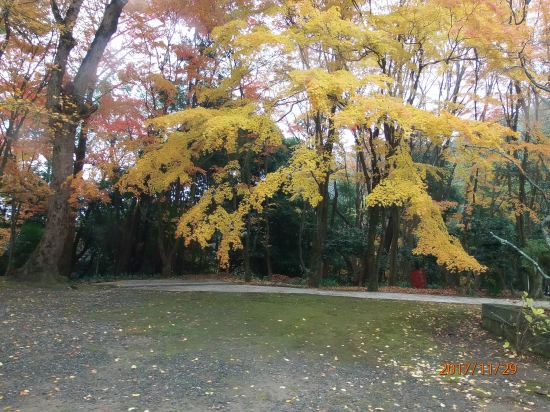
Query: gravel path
point(218, 286)
point(54, 357)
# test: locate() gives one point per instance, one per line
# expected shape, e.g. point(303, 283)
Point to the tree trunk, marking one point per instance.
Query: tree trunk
point(15, 209)
point(381, 250)
point(319, 237)
point(67, 107)
point(326, 264)
point(300, 234)
point(267, 245)
point(392, 278)
point(128, 237)
point(370, 272)
point(246, 251)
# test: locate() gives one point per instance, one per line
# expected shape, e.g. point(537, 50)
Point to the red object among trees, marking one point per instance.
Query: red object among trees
point(418, 279)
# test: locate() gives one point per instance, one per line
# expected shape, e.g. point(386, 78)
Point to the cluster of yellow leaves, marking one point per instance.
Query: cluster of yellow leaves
point(208, 215)
point(332, 27)
point(302, 175)
point(190, 133)
point(405, 187)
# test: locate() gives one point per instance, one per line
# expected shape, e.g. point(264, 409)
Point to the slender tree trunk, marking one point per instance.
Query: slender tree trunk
point(267, 244)
point(392, 278)
point(246, 251)
point(381, 249)
point(15, 209)
point(326, 264)
point(408, 242)
point(370, 272)
point(300, 234)
point(127, 242)
point(319, 238)
point(167, 248)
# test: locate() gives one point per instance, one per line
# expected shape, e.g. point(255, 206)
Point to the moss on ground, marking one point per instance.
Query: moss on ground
point(320, 327)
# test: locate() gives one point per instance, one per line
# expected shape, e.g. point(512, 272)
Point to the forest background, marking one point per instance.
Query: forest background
point(345, 140)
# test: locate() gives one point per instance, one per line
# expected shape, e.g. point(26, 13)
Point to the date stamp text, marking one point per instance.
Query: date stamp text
point(470, 368)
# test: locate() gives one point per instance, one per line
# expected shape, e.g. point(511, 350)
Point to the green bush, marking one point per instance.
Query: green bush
point(329, 283)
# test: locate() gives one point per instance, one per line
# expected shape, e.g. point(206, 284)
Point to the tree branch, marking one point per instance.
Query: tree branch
point(526, 256)
point(530, 76)
point(545, 233)
point(344, 218)
point(511, 160)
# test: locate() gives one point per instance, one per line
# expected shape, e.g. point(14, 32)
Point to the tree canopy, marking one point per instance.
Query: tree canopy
point(355, 140)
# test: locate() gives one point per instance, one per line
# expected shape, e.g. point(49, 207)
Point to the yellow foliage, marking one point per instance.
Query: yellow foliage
point(325, 89)
point(404, 187)
point(190, 133)
point(208, 215)
point(306, 168)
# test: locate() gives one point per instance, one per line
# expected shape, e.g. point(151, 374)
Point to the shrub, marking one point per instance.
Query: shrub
point(532, 323)
point(329, 283)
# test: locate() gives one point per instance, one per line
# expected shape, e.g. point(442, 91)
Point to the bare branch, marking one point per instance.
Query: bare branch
point(531, 78)
point(526, 256)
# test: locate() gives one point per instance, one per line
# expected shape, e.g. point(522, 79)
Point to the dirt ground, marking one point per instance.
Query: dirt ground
point(55, 357)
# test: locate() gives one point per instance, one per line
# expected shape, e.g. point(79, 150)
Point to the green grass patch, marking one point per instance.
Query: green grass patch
point(319, 327)
point(536, 388)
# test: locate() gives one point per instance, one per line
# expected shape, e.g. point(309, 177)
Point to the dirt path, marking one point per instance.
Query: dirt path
point(218, 286)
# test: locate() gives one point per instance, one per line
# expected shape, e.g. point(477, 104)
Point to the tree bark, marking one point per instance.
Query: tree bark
point(267, 240)
point(370, 272)
point(324, 148)
point(300, 234)
point(392, 277)
point(128, 236)
point(319, 237)
point(246, 251)
point(67, 107)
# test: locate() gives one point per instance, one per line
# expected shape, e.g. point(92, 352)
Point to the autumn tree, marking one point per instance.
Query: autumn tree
point(67, 105)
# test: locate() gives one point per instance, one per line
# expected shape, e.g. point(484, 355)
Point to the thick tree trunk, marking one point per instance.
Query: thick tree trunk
point(48, 263)
point(67, 106)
